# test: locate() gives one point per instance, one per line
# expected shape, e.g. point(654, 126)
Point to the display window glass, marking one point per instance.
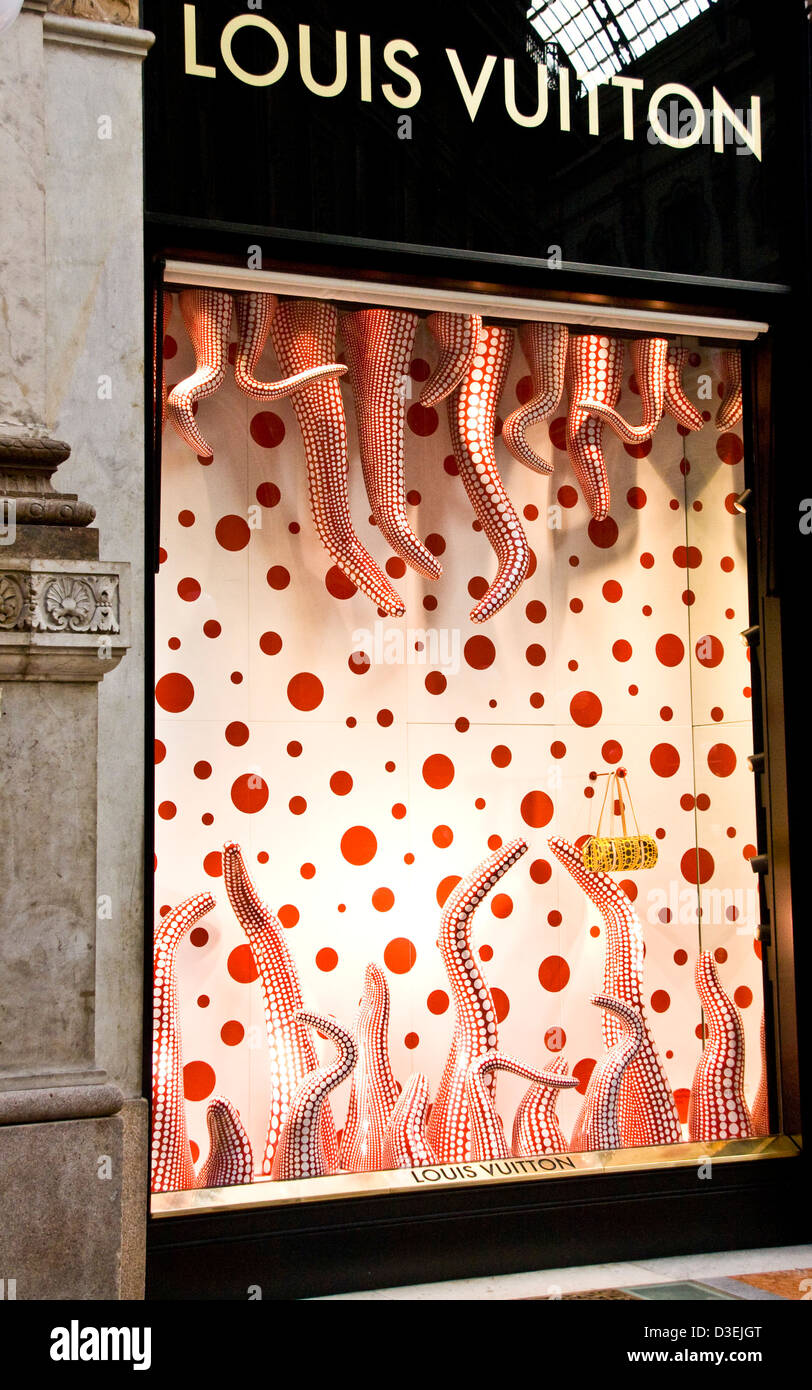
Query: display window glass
point(386, 736)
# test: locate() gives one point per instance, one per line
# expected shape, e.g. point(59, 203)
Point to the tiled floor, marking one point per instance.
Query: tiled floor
point(777, 1273)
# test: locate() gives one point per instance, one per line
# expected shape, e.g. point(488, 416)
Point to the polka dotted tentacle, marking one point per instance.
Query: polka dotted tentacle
point(300, 1153)
point(647, 1112)
point(230, 1161)
point(405, 1144)
point(650, 358)
point(471, 418)
point(379, 349)
point(594, 373)
point(597, 1125)
point(290, 1047)
point(255, 313)
point(732, 407)
point(760, 1112)
point(207, 316)
point(457, 336)
point(717, 1109)
point(487, 1132)
point(172, 1169)
point(303, 332)
point(536, 1128)
point(676, 402)
point(474, 1013)
point(373, 1092)
point(545, 348)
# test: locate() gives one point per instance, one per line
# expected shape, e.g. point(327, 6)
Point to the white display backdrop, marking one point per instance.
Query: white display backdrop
point(621, 648)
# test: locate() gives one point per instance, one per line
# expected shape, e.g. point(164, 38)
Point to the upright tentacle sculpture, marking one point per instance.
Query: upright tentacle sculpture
point(457, 336)
point(545, 348)
point(379, 349)
point(594, 373)
point(647, 1113)
point(172, 1168)
point(373, 1092)
point(230, 1161)
point(717, 1109)
point(536, 1127)
point(475, 1033)
point(290, 1047)
point(487, 1132)
point(650, 357)
point(255, 313)
point(207, 315)
point(299, 1153)
point(471, 417)
point(731, 409)
point(405, 1144)
point(760, 1112)
point(597, 1126)
point(303, 332)
point(676, 403)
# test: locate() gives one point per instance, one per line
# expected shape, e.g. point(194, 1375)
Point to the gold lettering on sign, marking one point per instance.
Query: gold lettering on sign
point(510, 95)
point(690, 137)
point(394, 47)
point(193, 67)
point(323, 89)
point(472, 98)
point(254, 21)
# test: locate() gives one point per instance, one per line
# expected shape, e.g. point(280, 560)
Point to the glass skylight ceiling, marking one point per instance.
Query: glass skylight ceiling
point(600, 37)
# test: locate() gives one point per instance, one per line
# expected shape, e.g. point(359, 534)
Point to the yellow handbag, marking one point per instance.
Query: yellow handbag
point(607, 853)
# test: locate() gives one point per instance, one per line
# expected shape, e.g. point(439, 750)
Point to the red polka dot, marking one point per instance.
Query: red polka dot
point(540, 871)
point(337, 584)
point(288, 915)
point(603, 534)
point(702, 802)
point(743, 996)
point(422, 419)
point(501, 905)
point(399, 955)
point(660, 1001)
point(554, 973)
point(486, 953)
point(537, 699)
point(383, 899)
point(437, 1002)
point(236, 734)
point(211, 628)
point(612, 591)
point(435, 682)
point(442, 835)
point(411, 1040)
point(730, 448)
point(477, 587)
point(585, 709)
point(479, 652)
point(709, 651)
point(341, 783)
point(721, 760)
point(268, 495)
point(232, 1033)
point(419, 369)
point(297, 805)
point(267, 429)
point(294, 748)
point(308, 871)
point(232, 532)
point(326, 958)
point(249, 793)
point(583, 1070)
point(697, 866)
point(198, 935)
point(636, 498)
point(554, 918)
point(438, 771)
point(536, 809)
point(536, 655)
point(160, 751)
point(395, 567)
point(278, 577)
point(213, 864)
point(501, 755)
point(174, 692)
point(576, 604)
point(199, 1080)
point(638, 451)
point(446, 887)
point(682, 1097)
point(647, 560)
point(358, 845)
point(501, 1004)
point(717, 714)
point(680, 957)
point(241, 965)
point(687, 557)
point(384, 718)
point(670, 649)
point(558, 749)
point(567, 496)
point(727, 563)
point(359, 663)
point(621, 649)
point(189, 590)
point(664, 759)
point(305, 691)
point(270, 643)
point(202, 770)
point(398, 810)
point(612, 751)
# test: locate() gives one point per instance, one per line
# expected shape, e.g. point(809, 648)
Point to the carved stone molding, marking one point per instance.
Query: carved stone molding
point(102, 11)
point(27, 465)
point(61, 620)
point(58, 602)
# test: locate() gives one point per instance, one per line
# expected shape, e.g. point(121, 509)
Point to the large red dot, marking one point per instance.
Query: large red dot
point(341, 783)
point(337, 583)
point(501, 755)
point(267, 429)
point(537, 809)
point(501, 1004)
point(278, 577)
point(709, 651)
point(174, 692)
point(583, 1069)
point(603, 534)
point(326, 958)
point(358, 845)
point(270, 643)
point(399, 955)
point(479, 652)
point(383, 899)
point(189, 590)
point(232, 1032)
point(288, 915)
point(585, 708)
point(422, 419)
point(446, 887)
point(437, 1002)
point(501, 905)
point(660, 1001)
point(730, 448)
point(664, 759)
point(305, 691)
point(249, 793)
point(670, 649)
point(621, 649)
point(268, 495)
point(213, 864)
point(241, 965)
point(237, 734)
point(438, 771)
point(721, 759)
point(554, 973)
point(540, 871)
point(697, 865)
point(232, 532)
point(199, 1080)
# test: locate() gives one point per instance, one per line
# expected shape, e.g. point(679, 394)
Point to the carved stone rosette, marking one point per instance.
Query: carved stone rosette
point(58, 602)
point(61, 620)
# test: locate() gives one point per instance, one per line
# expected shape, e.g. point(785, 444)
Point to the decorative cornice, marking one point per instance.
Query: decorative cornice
point(27, 464)
point(83, 33)
point(101, 11)
point(61, 620)
point(58, 602)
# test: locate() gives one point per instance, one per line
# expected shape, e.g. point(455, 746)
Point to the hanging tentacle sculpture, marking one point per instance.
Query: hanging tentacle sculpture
point(545, 348)
point(471, 417)
point(676, 403)
point(207, 315)
point(300, 1153)
point(717, 1109)
point(303, 332)
point(487, 1132)
point(650, 358)
point(290, 1047)
point(475, 1032)
point(457, 336)
point(405, 1144)
point(373, 1092)
point(255, 313)
point(536, 1127)
point(731, 409)
point(379, 350)
point(594, 373)
point(230, 1161)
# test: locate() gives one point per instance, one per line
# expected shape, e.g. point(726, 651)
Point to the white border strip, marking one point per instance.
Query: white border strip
point(493, 305)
